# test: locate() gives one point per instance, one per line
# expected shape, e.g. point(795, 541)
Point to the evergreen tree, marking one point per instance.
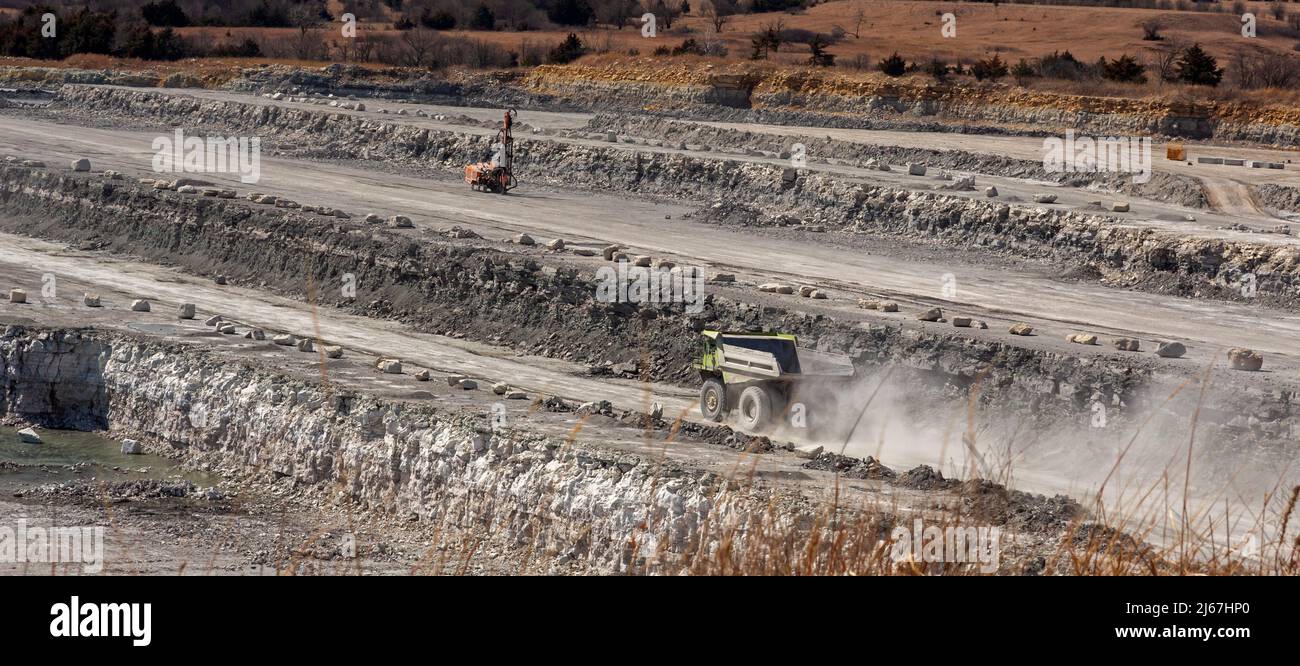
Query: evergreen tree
point(1197, 67)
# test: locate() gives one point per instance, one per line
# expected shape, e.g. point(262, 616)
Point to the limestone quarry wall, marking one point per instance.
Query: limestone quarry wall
point(809, 97)
point(1145, 257)
point(485, 294)
point(524, 490)
point(741, 91)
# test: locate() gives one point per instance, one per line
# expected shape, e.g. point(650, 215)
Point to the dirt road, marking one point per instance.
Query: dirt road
point(983, 289)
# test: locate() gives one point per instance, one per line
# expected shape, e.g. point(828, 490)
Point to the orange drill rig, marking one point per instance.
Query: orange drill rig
point(497, 174)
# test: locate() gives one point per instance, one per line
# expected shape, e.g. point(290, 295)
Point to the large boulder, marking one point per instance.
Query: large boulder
point(1170, 350)
point(1245, 359)
point(932, 314)
point(1127, 344)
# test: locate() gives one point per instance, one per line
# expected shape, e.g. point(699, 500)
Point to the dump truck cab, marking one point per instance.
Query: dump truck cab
point(768, 380)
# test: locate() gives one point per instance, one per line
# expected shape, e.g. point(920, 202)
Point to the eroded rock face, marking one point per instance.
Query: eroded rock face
point(54, 378)
point(435, 280)
point(403, 458)
point(1036, 231)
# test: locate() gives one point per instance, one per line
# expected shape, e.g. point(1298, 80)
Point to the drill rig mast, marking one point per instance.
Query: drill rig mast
point(496, 175)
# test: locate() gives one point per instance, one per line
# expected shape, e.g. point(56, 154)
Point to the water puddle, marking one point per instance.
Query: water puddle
point(66, 455)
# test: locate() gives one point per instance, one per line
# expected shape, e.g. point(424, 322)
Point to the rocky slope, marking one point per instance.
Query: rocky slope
point(1133, 256)
point(547, 305)
point(739, 91)
point(569, 505)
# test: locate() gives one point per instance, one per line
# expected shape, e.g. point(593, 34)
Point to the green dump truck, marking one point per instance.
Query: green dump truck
point(770, 382)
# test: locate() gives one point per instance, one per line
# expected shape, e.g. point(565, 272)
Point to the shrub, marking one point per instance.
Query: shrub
point(440, 20)
point(1060, 65)
point(1124, 68)
point(483, 19)
point(990, 68)
point(1023, 70)
point(817, 47)
point(245, 49)
point(893, 65)
point(145, 44)
point(938, 69)
point(567, 51)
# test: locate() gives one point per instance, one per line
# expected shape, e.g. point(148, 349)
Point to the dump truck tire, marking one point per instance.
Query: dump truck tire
point(713, 400)
point(755, 408)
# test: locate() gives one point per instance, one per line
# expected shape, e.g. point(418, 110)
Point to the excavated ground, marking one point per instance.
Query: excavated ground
point(437, 479)
point(490, 300)
point(1153, 249)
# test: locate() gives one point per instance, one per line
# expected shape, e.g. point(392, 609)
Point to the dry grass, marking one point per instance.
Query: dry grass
point(910, 27)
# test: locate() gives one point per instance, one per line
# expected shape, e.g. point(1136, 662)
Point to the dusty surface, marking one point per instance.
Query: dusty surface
point(998, 288)
point(994, 292)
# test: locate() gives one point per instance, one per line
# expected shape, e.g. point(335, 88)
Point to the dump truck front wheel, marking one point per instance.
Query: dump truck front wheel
point(713, 400)
point(755, 408)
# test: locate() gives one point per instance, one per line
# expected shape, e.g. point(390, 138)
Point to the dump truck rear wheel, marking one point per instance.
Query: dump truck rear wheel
point(755, 408)
point(713, 400)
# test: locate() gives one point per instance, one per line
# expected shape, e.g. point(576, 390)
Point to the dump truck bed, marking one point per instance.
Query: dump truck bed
point(771, 358)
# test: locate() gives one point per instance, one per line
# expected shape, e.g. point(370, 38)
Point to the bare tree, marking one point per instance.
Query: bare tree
point(614, 12)
point(1263, 69)
point(665, 11)
point(719, 13)
point(859, 17)
point(1164, 60)
point(418, 44)
point(1151, 29)
point(306, 19)
point(364, 45)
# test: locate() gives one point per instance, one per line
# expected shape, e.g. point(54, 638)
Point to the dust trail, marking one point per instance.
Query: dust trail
point(1108, 457)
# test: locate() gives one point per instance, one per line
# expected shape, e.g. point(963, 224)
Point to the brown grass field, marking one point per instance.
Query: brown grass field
point(911, 28)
